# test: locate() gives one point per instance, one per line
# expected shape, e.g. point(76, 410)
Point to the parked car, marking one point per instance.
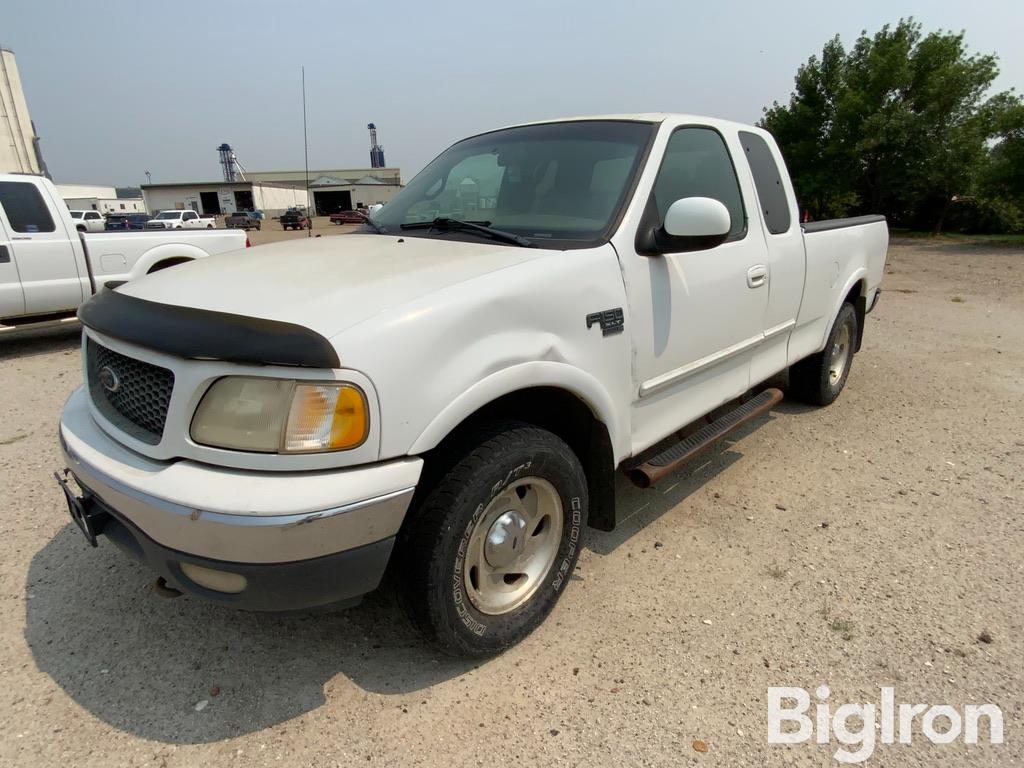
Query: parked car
point(242, 220)
point(455, 397)
point(88, 221)
point(47, 268)
point(181, 220)
point(119, 222)
point(295, 219)
point(348, 217)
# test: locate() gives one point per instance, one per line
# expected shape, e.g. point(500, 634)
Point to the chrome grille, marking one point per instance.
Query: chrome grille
point(132, 394)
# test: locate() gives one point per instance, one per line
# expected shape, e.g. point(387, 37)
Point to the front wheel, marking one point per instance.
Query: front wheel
point(820, 378)
point(490, 548)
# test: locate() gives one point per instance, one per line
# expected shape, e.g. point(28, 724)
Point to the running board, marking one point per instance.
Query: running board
point(651, 471)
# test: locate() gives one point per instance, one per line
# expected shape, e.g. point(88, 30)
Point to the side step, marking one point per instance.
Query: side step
point(647, 474)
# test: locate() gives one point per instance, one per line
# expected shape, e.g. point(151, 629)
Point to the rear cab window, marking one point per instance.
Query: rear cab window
point(771, 194)
point(25, 208)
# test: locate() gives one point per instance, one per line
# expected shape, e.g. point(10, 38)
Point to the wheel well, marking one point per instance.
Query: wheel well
point(558, 411)
point(859, 301)
point(173, 262)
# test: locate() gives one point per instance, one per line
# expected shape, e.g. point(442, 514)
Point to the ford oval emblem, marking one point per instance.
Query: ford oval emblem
point(109, 379)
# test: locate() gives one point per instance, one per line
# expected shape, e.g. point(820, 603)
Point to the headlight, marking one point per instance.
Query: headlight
point(280, 415)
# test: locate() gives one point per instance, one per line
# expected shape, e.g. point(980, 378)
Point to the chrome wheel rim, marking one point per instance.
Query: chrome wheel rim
point(839, 357)
point(513, 545)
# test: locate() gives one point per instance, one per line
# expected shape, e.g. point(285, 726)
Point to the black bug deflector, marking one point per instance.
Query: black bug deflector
point(205, 334)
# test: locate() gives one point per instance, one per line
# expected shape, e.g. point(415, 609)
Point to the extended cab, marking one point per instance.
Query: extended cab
point(181, 220)
point(47, 268)
point(450, 393)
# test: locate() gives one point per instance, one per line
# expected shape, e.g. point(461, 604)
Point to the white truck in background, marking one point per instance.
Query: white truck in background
point(181, 220)
point(48, 267)
point(449, 393)
point(88, 221)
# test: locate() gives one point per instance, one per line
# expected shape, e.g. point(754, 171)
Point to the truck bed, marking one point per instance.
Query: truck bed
point(839, 253)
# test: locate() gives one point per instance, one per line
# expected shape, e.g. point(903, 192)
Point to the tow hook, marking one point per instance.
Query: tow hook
point(161, 589)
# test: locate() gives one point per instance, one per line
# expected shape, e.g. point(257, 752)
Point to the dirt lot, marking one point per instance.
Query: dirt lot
point(866, 544)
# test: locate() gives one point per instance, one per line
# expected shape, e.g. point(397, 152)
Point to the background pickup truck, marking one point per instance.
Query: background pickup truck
point(181, 220)
point(242, 220)
point(450, 395)
point(293, 219)
point(48, 268)
point(88, 221)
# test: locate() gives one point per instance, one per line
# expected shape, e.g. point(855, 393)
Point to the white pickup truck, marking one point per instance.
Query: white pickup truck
point(88, 221)
point(48, 267)
point(450, 393)
point(181, 220)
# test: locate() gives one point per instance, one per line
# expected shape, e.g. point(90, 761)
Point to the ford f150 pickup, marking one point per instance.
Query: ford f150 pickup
point(450, 392)
point(48, 268)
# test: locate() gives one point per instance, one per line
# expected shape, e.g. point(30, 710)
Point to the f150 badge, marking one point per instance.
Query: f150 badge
point(610, 320)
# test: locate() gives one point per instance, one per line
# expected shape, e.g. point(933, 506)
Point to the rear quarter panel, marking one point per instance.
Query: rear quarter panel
point(837, 260)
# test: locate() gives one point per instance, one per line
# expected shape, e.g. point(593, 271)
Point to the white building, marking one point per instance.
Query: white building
point(92, 197)
point(222, 197)
point(275, 191)
point(19, 145)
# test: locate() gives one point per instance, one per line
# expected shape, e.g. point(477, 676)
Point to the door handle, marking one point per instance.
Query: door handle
point(5, 256)
point(757, 276)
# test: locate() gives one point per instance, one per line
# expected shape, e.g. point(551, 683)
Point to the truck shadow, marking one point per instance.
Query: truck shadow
point(41, 341)
point(143, 663)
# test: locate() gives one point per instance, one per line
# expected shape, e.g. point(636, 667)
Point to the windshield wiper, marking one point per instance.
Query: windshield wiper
point(483, 227)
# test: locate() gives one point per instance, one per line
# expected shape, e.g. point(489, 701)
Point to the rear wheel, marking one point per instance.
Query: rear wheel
point(489, 550)
point(820, 378)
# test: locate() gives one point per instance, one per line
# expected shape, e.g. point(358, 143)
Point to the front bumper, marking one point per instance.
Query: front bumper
point(299, 539)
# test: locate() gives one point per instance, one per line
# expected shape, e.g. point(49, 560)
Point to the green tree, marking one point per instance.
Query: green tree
point(899, 125)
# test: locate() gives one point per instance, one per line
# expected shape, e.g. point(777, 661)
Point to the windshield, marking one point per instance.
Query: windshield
point(169, 215)
point(77, 214)
point(551, 182)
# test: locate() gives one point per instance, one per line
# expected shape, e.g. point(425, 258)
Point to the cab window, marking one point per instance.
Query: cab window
point(25, 208)
point(697, 164)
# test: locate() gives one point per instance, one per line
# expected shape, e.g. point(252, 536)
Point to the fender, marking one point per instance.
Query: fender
point(524, 376)
point(159, 253)
point(861, 273)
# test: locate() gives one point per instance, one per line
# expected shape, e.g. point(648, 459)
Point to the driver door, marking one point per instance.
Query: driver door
point(12, 297)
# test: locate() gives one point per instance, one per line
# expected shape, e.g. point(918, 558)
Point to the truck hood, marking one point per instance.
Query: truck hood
point(326, 284)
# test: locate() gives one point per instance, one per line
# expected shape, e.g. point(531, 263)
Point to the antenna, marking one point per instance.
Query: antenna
point(305, 152)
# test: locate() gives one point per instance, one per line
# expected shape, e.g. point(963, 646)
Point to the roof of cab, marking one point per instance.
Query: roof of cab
point(643, 117)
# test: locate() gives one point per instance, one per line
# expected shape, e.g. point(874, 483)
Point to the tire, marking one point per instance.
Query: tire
point(820, 378)
point(446, 551)
point(209, 226)
point(80, 228)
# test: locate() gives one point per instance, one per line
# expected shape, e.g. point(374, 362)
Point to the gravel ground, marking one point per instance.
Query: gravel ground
point(866, 544)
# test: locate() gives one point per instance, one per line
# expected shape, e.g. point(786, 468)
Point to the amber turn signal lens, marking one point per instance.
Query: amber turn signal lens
point(326, 417)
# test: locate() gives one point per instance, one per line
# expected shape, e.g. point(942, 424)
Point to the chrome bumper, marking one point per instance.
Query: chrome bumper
point(235, 515)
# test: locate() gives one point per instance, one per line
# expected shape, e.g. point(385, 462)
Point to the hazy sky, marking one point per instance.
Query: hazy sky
point(117, 89)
